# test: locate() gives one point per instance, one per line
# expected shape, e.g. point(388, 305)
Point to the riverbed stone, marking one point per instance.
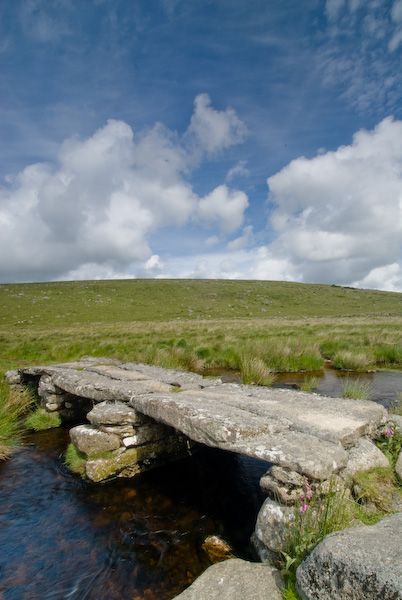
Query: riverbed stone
point(91, 441)
point(235, 579)
point(217, 548)
point(364, 456)
point(362, 563)
point(271, 527)
point(115, 413)
point(398, 466)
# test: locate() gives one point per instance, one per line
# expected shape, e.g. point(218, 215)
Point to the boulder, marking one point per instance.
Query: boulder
point(114, 413)
point(235, 579)
point(364, 456)
point(271, 528)
point(362, 563)
point(398, 466)
point(92, 442)
point(13, 377)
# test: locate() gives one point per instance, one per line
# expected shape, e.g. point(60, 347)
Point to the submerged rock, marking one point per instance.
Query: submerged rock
point(216, 548)
point(362, 563)
point(235, 579)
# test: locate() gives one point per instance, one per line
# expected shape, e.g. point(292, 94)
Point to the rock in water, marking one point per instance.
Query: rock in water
point(235, 579)
point(362, 563)
point(216, 548)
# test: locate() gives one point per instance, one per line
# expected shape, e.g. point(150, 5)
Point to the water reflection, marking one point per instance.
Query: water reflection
point(130, 539)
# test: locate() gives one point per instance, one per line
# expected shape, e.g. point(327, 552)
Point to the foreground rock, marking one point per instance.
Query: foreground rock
point(362, 563)
point(235, 579)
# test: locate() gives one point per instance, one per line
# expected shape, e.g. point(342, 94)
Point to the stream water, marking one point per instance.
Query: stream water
point(141, 539)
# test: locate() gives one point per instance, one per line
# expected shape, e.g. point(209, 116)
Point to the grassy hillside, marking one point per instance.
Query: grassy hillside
point(201, 324)
point(73, 303)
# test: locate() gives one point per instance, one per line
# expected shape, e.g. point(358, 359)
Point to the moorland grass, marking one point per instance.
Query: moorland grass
point(75, 460)
point(40, 420)
point(13, 405)
point(197, 325)
point(356, 389)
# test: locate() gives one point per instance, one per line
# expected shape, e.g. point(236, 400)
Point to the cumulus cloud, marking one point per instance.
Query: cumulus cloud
point(338, 216)
point(96, 207)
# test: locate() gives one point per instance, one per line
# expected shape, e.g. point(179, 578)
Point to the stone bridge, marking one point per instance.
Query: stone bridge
point(134, 417)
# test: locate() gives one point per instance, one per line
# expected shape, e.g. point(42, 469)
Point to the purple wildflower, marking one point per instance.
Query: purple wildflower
point(303, 508)
point(389, 432)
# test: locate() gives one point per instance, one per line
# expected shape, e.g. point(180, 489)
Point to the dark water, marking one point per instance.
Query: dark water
point(62, 538)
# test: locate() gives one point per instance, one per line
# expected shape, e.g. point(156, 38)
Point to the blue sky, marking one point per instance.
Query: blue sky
point(138, 138)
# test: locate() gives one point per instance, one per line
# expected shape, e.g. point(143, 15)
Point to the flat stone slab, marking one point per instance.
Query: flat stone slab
point(362, 563)
point(235, 579)
point(306, 433)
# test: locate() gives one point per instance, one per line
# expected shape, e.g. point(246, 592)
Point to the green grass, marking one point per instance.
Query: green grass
point(13, 405)
point(253, 370)
point(352, 361)
point(309, 384)
point(397, 409)
point(376, 487)
point(198, 325)
point(40, 420)
point(75, 460)
point(356, 389)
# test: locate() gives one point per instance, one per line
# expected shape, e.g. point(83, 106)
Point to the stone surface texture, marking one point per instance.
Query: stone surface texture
point(271, 526)
point(91, 441)
point(304, 433)
point(363, 456)
point(362, 563)
point(235, 579)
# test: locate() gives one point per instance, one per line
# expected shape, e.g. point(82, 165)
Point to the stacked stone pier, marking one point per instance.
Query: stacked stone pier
point(133, 417)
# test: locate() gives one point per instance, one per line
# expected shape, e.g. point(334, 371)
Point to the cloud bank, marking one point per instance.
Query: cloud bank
point(93, 212)
point(99, 210)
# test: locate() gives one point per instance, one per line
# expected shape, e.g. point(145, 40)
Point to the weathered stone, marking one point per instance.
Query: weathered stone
point(115, 413)
point(53, 402)
point(13, 377)
point(362, 563)
point(279, 491)
point(235, 579)
point(231, 421)
point(216, 548)
point(397, 421)
point(120, 430)
point(364, 456)
point(46, 387)
point(398, 466)
point(285, 476)
point(272, 525)
point(146, 433)
point(130, 462)
point(91, 441)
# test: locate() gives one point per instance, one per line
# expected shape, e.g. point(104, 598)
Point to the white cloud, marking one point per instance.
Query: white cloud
point(238, 170)
point(333, 8)
point(154, 263)
point(102, 199)
point(385, 278)
point(338, 216)
point(243, 240)
point(223, 207)
point(212, 131)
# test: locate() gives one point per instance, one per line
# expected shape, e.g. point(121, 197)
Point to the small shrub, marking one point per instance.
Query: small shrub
point(351, 361)
point(253, 370)
point(75, 460)
point(41, 420)
point(356, 389)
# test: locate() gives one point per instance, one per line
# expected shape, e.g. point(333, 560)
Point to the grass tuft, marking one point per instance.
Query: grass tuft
point(356, 389)
point(352, 361)
point(309, 384)
point(14, 403)
point(376, 487)
point(40, 420)
point(253, 370)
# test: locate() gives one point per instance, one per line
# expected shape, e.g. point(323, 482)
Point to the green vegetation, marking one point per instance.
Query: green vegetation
point(397, 410)
point(356, 389)
point(40, 419)
point(390, 443)
point(376, 488)
point(309, 384)
point(75, 460)
point(13, 405)
point(349, 361)
point(200, 325)
point(253, 370)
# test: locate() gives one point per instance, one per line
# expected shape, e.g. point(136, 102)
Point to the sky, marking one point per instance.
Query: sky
point(241, 139)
